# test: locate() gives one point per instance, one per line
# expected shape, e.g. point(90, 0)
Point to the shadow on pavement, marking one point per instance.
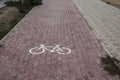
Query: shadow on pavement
point(109, 65)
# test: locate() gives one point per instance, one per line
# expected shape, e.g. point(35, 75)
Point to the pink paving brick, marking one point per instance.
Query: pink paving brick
point(55, 22)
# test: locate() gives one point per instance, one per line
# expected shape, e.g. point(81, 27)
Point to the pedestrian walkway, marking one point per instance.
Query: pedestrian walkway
point(104, 20)
point(55, 22)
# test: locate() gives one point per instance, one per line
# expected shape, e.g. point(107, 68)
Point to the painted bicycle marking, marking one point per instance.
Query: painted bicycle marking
point(58, 49)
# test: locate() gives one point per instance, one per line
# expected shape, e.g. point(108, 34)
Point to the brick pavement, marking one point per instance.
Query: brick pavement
point(55, 22)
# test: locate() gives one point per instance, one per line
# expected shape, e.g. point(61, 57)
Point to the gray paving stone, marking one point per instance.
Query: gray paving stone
point(2, 4)
point(104, 19)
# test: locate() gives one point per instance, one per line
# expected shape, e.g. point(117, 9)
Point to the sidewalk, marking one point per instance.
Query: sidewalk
point(55, 22)
point(104, 20)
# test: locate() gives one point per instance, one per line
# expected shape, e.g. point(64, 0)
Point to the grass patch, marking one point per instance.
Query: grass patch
point(109, 64)
point(11, 25)
point(23, 9)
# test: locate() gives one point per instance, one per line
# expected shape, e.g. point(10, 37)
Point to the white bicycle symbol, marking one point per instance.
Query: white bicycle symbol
point(43, 48)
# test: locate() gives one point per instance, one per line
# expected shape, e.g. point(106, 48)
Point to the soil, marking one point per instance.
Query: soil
point(115, 3)
point(7, 14)
point(9, 17)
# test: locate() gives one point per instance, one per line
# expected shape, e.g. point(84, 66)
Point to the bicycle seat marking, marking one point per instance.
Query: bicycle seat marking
point(58, 49)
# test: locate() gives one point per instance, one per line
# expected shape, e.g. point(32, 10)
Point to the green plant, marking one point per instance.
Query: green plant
point(37, 2)
point(27, 3)
point(23, 8)
point(109, 64)
point(12, 3)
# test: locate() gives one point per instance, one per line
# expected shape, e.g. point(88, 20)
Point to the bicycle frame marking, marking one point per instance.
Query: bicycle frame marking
point(43, 48)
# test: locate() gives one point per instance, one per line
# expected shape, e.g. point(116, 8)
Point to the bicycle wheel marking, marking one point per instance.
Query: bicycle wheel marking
point(43, 48)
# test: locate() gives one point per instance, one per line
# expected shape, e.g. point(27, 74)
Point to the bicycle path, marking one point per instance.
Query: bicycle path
point(55, 22)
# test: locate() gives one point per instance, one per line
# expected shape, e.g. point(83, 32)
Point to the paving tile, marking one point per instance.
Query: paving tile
point(55, 22)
